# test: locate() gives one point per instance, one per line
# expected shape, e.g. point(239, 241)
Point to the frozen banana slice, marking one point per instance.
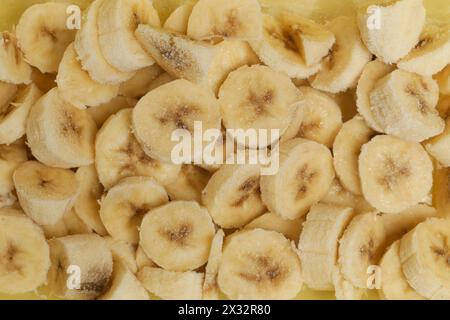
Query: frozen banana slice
point(138, 85)
point(189, 184)
point(101, 113)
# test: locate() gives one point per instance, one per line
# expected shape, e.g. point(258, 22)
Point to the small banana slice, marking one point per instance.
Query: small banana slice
point(76, 86)
point(44, 81)
point(395, 174)
point(439, 146)
point(138, 85)
point(142, 260)
point(343, 289)
point(8, 92)
point(443, 79)
point(291, 229)
point(424, 255)
point(343, 66)
point(43, 35)
point(260, 264)
point(13, 67)
point(189, 184)
point(346, 148)
point(304, 176)
point(24, 253)
point(45, 193)
point(59, 134)
point(404, 104)
point(81, 266)
point(441, 191)
point(318, 118)
point(122, 252)
point(11, 156)
point(117, 22)
point(101, 113)
point(179, 19)
point(125, 204)
point(210, 288)
point(176, 105)
point(119, 155)
point(171, 285)
point(396, 35)
point(232, 195)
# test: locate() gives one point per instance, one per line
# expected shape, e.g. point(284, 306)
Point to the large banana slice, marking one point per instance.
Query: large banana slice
point(443, 79)
point(291, 229)
point(119, 155)
point(117, 22)
point(13, 67)
point(179, 19)
point(304, 176)
point(125, 204)
point(343, 66)
point(318, 118)
point(123, 252)
point(259, 264)
point(178, 235)
point(11, 156)
point(395, 174)
point(43, 35)
point(189, 184)
point(101, 113)
point(138, 85)
point(24, 253)
point(210, 288)
point(45, 193)
point(81, 266)
point(438, 146)
point(343, 289)
point(8, 92)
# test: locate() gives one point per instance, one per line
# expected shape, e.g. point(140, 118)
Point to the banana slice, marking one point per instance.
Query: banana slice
point(43, 35)
point(318, 118)
point(101, 113)
point(344, 290)
point(60, 135)
point(122, 252)
point(162, 79)
point(76, 86)
point(404, 104)
point(119, 155)
point(86, 256)
point(179, 19)
point(13, 67)
point(396, 35)
point(176, 105)
point(117, 22)
point(189, 184)
point(126, 203)
point(346, 149)
point(304, 177)
point(177, 236)
point(232, 195)
point(142, 260)
point(259, 264)
point(395, 174)
point(291, 229)
point(210, 288)
point(345, 63)
point(424, 255)
point(138, 85)
point(441, 191)
point(11, 156)
point(45, 193)
point(69, 224)
point(24, 253)
point(8, 92)
point(443, 79)
point(318, 245)
point(171, 285)
point(44, 81)
point(438, 146)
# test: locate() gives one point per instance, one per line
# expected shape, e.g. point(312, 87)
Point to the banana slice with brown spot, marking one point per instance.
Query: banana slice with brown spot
point(13, 67)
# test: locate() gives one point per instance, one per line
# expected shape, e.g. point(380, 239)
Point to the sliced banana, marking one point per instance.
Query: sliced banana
point(162, 79)
point(142, 260)
point(69, 224)
point(291, 229)
point(343, 289)
point(210, 288)
point(443, 79)
point(13, 67)
point(189, 184)
point(179, 19)
point(123, 252)
point(11, 156)
point(138, 85)
point(439, 146)
point(101, 113)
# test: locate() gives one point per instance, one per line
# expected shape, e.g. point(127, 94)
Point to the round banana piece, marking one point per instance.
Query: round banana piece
point(395, 174)
point(291, 229)
point(101, 113)
point(443, 79)
point(259, 264)
point(303, 178)
point(126, 203)
point(138, 85)
point(24, 253)
point(178, 235)
point(189, 184)
point(119, 155)
point(210, 288)
point(11, 156)
point(438, 146)
point(318, 118)
point(43, 35)
point(179, 19)
point(45, 193)
point(8, 92)
point(14, 68)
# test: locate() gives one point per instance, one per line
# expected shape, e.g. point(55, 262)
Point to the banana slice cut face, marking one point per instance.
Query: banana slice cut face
point(438, 146)
point(137, 86)
point(11, 156)
point(101, 113)
point(179, 19)
point(13, 67)
point(210, 287)
point(189, 184)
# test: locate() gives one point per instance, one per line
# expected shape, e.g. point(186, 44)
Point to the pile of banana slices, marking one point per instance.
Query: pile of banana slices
point(93, 207)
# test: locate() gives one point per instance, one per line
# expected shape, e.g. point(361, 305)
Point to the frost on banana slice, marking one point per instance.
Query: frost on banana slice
point(404, 104)
point(318, 245)
point(101, 113)
point(189, 184)
point(8, 92)
point(269, 270)
point(343, 289)
point(124, 206)
point(172, 285)
point(76, 86)
point(348, 56)
point(45, 193)
point(179, 19)
point(443, 79)
point(11, 156)
point(123, 252)
point(69, 224)
point(305, 174)
point(395, 174)
point(138, 85)
point(400, 25)
point(424, 255)
point(117, 22)
point(24, 253)
point(346, 148)
point(176, 105)
point(43, 35)
point(291, 229)
point(233, 196)
point(318, 118)
point(119, 155)
point(90, 256)
point(60, 135)
point(439, 146)
point(13, 67)
point(210, 288)
point(178, 235)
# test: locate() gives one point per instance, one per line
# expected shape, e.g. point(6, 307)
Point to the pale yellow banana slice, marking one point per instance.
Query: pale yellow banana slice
point(395, 174)
point(45, 193)
point(189, 184)
point(11, 156)
point(24, 253)
point(304, 176)
point(441, 191)
point(44, 81)
point(13, 67)
point(162, 79)
point(291, 229)
point(8, 92)
point(43, 35)
point(439, 146)
point(101, 113)
point(138, 85)
point(443, 79)
point(126, 203)
point(343, 289)
point(210, 288)
point(69, 224)
point(123, 252)
point(142, 260)
point(179, 19)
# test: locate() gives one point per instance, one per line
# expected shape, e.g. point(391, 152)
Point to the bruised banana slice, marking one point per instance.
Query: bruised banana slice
point(291, 229)
point(14, 68)
point(210, 288)
point(138, 85)
point(11, 156)
point(101, 113)
point(438, 146)
point(189, 184)
point(179, 19)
